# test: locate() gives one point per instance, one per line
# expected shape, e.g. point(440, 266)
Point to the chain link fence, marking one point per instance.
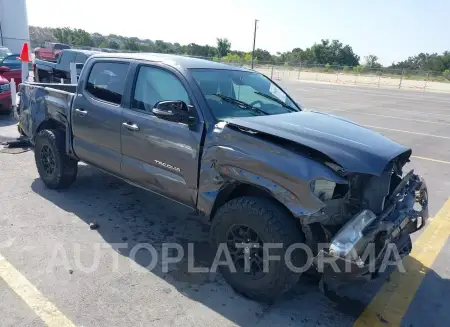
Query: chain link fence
point(347, 75)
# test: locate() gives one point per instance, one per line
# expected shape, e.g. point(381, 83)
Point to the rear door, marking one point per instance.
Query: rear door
point(160, 155)
point(97, 114)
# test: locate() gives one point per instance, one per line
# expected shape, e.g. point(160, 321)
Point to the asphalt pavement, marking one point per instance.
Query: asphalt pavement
point(56, 271)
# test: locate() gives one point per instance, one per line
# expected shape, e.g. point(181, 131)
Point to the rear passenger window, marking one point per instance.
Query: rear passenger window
point(66, 58)
point(107, 81)
point(80, 58)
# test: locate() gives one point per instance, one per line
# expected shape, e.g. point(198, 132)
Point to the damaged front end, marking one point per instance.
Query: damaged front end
point(366, 223)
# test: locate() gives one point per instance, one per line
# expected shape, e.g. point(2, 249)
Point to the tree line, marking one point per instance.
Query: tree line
point(325, 53)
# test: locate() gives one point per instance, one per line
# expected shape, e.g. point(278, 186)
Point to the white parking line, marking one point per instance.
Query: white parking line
point(414, 94)
point(395, 117)
point(420, 112)
point(32, 297)
point(431, 159)
point(408, 132)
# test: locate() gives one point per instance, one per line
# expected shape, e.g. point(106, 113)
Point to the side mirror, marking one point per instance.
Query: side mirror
point(175, 111)
point(79, 66)
point(4, 69)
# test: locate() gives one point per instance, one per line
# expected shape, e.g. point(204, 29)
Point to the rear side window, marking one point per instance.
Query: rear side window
point(80, 58)
point(66, 58)
point(107, 81)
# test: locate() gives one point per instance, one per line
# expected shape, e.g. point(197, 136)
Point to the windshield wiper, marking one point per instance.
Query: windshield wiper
point(276, 100)
point(241, 103)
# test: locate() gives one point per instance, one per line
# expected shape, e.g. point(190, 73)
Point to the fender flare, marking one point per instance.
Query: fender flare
point(229, 177)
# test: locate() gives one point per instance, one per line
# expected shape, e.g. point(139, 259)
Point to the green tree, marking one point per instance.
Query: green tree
point(223, 47)
point(130, 45)
point(372, 61)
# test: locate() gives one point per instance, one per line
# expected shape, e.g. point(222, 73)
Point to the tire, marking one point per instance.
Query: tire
point(20, 130)
point(273, 224)
point(64, 169)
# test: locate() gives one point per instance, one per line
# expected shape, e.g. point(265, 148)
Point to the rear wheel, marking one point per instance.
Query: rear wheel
point(245, 226)
point(56, 169)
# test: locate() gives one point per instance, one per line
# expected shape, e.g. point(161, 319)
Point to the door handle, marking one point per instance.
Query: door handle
point(131, 127)
point(81, 112)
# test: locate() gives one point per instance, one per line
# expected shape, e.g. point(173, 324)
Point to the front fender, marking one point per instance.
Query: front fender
point(223, 166)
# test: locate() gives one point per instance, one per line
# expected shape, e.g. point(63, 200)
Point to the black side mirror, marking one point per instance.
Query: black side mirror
point(176, 111)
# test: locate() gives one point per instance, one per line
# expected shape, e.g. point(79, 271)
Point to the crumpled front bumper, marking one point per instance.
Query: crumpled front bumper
point(406, 211)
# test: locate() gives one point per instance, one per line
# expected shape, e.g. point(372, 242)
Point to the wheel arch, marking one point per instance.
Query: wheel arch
point(236, 183)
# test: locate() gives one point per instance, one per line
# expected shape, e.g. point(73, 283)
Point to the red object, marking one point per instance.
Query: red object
point(5, 101)
point(5, 96)
point(25, 54)
point(50, 51)
point(6, 74)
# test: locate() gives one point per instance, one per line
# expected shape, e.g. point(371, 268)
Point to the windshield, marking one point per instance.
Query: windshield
point(234, 93)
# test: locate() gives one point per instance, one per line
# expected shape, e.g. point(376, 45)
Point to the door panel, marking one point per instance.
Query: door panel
point(161, 156)
point(96, 133)
point(97, 116)
point(16, 74)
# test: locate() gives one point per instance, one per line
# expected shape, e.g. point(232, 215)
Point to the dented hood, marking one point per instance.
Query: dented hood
point(356, 148)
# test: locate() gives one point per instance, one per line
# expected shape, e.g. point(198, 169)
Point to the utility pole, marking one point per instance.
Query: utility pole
point(254, 41)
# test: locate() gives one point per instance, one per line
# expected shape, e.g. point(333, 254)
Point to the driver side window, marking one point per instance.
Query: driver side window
point(154, 85)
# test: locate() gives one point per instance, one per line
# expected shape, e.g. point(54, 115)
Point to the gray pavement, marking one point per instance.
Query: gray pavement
point(46, 236)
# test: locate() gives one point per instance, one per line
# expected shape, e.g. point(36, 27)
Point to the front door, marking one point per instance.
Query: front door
point(97, 115)
point(160, 155)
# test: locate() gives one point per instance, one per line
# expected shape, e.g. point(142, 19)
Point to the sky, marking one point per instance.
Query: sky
point(393, 30)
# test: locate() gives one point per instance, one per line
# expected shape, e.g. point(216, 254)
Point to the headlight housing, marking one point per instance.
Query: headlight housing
point(4, 87)
point(352, 232)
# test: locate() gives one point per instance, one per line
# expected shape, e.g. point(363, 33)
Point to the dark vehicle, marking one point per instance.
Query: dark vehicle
point(53, 72)
point(50, 51)
point(232, 145)
point(11, 61)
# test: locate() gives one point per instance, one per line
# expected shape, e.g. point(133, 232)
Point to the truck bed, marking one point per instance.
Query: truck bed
point(50, 101)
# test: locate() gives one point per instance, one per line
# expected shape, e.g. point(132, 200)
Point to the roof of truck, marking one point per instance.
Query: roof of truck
point(86, 52)
point(172, 60)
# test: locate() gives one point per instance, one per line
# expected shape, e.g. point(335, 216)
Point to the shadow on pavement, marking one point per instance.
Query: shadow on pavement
point(7, 119)
point(126, 214)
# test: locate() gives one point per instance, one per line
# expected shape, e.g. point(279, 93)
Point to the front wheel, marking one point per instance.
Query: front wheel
point(56, 169)
point(252, 229)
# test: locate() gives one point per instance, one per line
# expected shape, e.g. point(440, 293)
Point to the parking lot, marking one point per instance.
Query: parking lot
point(56, 271)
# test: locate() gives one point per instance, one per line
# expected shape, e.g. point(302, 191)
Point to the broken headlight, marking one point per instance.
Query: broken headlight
point(352, 232)
point(323, 189)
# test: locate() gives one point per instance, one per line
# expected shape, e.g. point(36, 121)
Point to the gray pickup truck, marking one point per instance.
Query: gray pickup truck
point(235, 147)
